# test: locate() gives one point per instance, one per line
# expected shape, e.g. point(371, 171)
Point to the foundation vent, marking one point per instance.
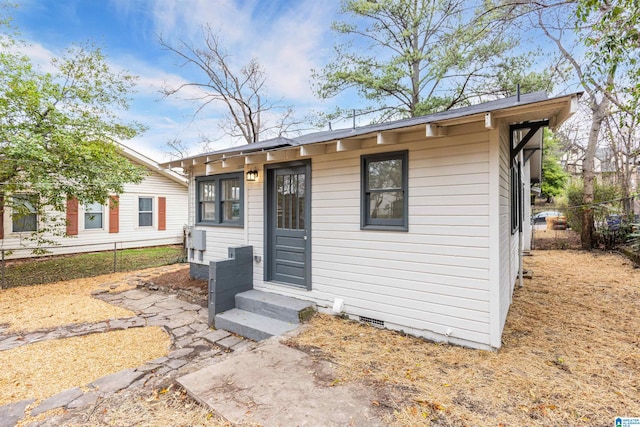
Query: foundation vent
point(373, 322)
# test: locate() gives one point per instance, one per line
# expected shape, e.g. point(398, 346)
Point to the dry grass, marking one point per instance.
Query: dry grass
point(570, 354)
point(43, 369)
point(29, 308)
point(166, 407)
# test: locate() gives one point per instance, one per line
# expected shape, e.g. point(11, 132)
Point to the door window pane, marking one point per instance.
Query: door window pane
point(290, 200)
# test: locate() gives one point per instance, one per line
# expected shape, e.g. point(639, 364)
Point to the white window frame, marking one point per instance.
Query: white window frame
point(87, 211)
point(146, 212)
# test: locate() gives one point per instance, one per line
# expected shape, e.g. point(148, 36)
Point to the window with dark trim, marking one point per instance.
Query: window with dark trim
point(384, 194)
point(516, 198)
point(220, 199)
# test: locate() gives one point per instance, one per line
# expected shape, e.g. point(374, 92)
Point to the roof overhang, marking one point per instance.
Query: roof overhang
point(515, 110)
point(152, 165)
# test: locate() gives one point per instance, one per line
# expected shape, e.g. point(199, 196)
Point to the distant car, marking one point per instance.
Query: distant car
point(541, 217)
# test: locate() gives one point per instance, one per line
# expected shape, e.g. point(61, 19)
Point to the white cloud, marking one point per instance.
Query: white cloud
point(287, 38)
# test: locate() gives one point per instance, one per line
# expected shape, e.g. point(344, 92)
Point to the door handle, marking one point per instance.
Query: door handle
point(305, 237)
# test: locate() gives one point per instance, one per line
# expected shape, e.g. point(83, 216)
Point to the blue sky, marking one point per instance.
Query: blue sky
point(288, 38)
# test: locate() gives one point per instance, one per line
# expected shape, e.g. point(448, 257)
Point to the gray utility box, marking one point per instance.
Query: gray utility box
point(198, 239)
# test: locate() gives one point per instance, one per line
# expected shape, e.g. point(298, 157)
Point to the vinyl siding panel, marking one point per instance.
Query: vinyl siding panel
point(430, 280)
point(508, 243)
point(130, 234)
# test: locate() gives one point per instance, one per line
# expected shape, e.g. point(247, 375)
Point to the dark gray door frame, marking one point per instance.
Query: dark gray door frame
point(270, 218)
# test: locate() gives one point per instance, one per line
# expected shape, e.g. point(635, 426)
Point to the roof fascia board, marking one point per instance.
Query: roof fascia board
point(150, 164)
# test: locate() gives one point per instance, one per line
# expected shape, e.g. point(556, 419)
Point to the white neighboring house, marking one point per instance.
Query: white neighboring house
point(151, 213)
point(416, 225)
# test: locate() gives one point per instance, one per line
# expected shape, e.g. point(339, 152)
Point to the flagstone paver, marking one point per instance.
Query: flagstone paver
point(194, 345)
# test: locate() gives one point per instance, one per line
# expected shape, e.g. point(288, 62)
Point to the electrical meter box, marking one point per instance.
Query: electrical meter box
point(198, 239)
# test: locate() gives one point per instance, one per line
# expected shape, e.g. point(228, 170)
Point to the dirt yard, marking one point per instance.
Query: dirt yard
point(570, 356)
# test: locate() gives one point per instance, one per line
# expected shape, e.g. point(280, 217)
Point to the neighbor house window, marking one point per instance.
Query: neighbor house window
point(145, 211)
point(384, 195)
point(24, 215)
point(93, 216)
point(220, 199)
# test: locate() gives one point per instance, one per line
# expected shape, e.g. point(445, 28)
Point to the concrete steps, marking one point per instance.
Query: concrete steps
point(259, 315)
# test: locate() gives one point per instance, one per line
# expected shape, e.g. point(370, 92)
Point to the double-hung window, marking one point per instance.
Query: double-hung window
point(145, 211)
point(220, 199)
point(93, 216)
point(384, 195)
point(25, 215)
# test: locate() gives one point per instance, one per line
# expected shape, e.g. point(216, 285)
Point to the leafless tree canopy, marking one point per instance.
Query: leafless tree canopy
point(241, 90)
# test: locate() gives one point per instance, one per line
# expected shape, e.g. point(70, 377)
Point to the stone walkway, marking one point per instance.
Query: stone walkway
point(194, 345)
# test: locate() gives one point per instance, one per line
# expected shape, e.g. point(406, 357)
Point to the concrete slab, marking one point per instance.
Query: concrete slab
point(275, 385)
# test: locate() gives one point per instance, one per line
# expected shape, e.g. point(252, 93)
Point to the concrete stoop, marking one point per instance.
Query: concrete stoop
point(259, 315)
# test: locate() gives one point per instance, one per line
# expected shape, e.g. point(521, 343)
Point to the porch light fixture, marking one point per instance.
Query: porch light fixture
point(252, 175)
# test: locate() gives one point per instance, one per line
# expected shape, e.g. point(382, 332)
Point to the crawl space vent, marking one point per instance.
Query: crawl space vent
point(373, 322)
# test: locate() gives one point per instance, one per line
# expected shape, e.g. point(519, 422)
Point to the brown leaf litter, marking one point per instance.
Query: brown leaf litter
point(43, 369)
point(570, 354)
point(29, 308)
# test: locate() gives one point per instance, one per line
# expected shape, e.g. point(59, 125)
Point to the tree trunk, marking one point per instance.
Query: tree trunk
point(598, 113)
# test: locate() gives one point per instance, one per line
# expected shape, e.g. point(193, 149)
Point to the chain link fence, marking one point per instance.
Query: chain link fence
point(561, 226)
point(20, 266)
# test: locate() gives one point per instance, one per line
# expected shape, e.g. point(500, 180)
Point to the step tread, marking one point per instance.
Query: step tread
point(280, 307)
point(256, 322)
point(276, 299)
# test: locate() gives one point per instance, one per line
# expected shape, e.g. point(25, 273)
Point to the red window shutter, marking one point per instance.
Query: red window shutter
point(162, 213)
point(114, 214)
point(1, 217)
point(72, 216)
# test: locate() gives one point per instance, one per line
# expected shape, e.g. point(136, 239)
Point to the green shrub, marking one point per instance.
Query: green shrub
point(602, 193)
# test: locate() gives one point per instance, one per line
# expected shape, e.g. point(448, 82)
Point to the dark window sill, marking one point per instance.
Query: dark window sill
point(385, 228)
point(220, 224)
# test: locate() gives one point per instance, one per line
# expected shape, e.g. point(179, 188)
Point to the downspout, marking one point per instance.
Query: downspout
point(520, 231)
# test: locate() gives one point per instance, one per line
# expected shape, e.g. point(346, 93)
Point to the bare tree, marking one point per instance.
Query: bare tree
point(605, 65)
point(251, 115)
point(622, 134)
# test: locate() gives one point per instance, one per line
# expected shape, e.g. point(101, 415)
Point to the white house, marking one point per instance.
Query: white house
point(416, 225)
point(150, 213)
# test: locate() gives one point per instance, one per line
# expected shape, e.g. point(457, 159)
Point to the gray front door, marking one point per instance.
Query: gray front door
point(288, 217)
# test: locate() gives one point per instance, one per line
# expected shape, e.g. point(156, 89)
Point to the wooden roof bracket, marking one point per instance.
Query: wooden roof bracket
point(533, 128)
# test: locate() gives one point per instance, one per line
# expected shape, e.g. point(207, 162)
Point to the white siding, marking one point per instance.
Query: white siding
point(130, 235)
point(432, 280)
point(507, 242)
point(445, 278)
